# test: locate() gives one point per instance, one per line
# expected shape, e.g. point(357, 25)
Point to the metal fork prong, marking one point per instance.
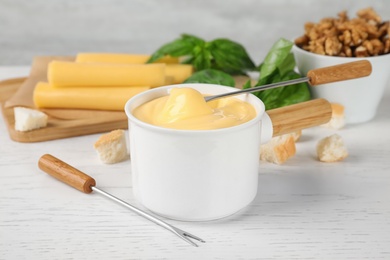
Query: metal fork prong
point(186, 236)
point(182, 236)
point(193, 237)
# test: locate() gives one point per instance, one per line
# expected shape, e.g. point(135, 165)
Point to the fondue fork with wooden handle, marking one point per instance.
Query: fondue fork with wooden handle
point(346, 71)
point(85, 183)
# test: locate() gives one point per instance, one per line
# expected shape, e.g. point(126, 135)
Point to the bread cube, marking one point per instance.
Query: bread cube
point(111, 147)
point(331, 149)
point(27, 119)
point(279, 149)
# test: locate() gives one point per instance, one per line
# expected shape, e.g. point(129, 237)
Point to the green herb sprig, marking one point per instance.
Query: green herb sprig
point(279, 66)
point(220, 54)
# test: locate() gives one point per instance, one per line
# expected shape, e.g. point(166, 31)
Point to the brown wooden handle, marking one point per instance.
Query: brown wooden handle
point(350, 70)
point(307, 114)
point(66, 173)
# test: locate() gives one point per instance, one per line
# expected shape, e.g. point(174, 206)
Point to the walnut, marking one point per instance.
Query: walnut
point(325, 24)
point(365, 35)
point(388, 31)
point(361, 52)
point(377, 47)
point(343, 16)
point(303, 40)
point(368, 45)
point(313, 34)
point(374, 47)
point(369, 15)
point(346, 38)
point(386, 48)
point(356, 39)
point(347, 51)
point(372, 31)
point(308, 27)
point(317, 47)
point(331, 32)
point(332, 46)
point(383, 29)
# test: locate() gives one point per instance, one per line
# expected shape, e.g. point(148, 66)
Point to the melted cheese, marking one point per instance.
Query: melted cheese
point(185, 108)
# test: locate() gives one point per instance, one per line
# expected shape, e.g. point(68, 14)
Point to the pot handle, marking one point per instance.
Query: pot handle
point(295, 117)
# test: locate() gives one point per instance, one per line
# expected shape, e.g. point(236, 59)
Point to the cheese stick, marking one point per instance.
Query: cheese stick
point(100, 98)
point(121, 58)
point(179, 72)
point(70, 74)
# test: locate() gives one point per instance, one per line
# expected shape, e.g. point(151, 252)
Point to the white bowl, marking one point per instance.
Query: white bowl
point(360, 97)
point(196, 175)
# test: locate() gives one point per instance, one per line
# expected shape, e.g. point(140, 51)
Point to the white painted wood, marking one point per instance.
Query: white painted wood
point(304, 209)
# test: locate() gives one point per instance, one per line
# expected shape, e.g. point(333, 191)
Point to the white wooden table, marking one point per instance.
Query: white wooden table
point(304, 209)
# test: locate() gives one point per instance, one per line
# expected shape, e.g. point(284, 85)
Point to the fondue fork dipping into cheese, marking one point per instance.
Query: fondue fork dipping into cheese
point(346, 71)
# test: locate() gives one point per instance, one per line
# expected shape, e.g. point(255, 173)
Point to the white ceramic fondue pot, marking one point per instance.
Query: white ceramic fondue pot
point(198, 175)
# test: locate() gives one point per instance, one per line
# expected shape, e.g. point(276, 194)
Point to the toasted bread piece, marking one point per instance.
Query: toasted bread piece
point(111, 147)
point(331, 149)
point(296, 135)
point(27, 119)
point(279, 149)
point(337, 120)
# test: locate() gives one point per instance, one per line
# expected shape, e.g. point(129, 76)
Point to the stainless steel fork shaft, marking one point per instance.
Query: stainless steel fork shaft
point(85, 183)
point(180, 233)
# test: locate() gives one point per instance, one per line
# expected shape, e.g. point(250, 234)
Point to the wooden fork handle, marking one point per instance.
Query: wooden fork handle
point(295, 117)
point(346, 71)
point(66, 173)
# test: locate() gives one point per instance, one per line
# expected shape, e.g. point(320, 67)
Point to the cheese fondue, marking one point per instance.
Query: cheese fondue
point(186, 109)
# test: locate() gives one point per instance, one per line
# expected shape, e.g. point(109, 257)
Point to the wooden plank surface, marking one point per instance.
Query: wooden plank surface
point(62, 123)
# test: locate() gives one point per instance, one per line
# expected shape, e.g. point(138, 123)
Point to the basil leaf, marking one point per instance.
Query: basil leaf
point(287, 65)
point(275, 57)
point(193, 39)
point(220, 54)
point(176, 48)
point(201, 59)
point(279, 66)
point(247, 85)
point(230, 56)
point(212, 77)
point(283, 96)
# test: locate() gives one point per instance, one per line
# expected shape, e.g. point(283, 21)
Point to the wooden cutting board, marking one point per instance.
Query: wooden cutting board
point(62, 123)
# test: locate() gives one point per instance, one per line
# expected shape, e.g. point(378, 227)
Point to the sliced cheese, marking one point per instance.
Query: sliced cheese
point(179, 72)
point(71, 74)
point(121, 58)
point(100, 98)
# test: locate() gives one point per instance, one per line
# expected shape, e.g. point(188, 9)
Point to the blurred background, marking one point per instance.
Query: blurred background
point(40, 27)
